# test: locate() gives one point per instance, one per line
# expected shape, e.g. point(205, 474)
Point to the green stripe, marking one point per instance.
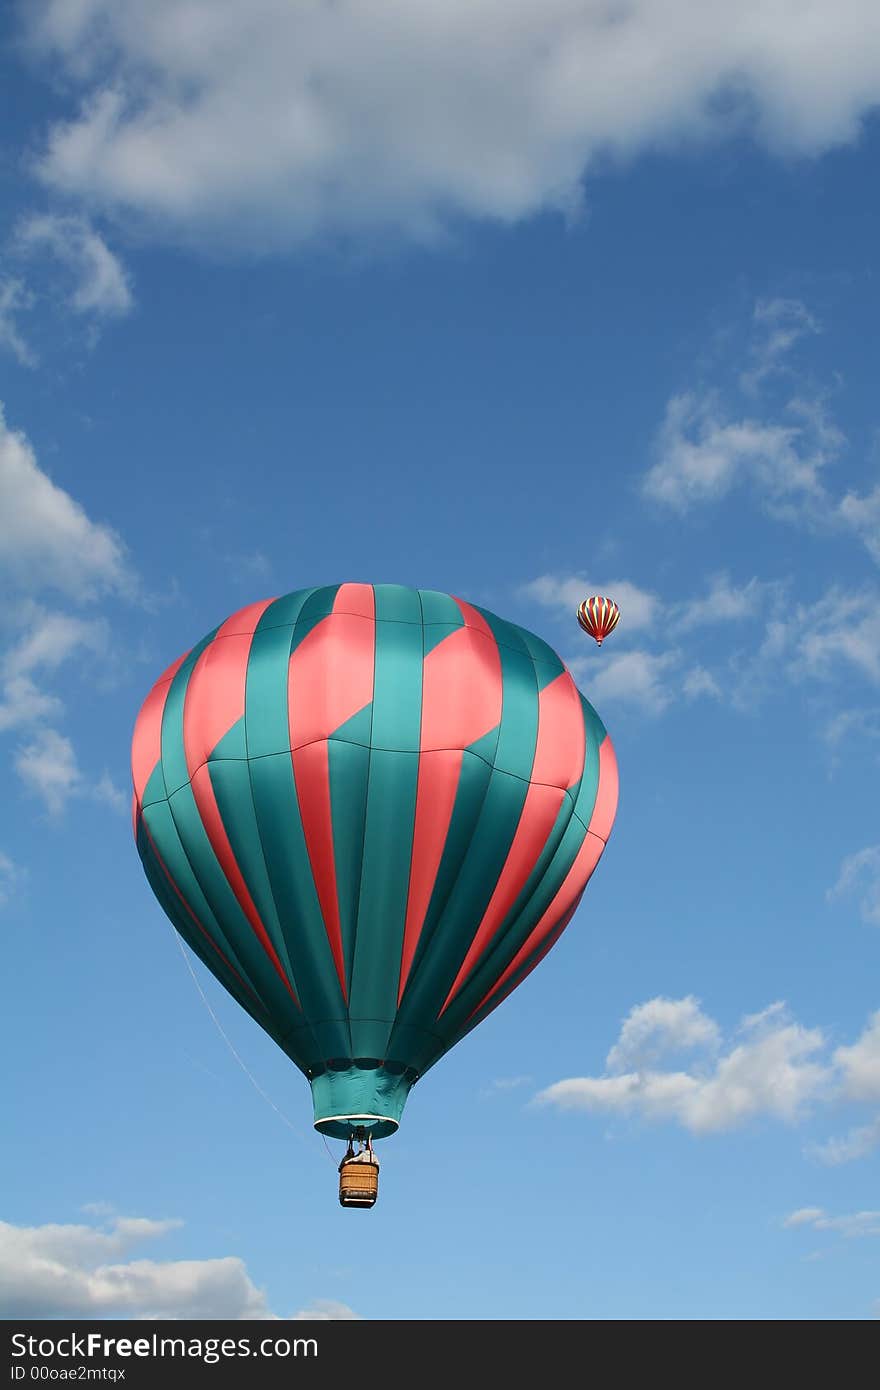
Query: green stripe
point(162, 831)
point(174, 767)
point(349, 778)
point(226, 909)
point(232, 788)
point(390, 814)
point(280, 829)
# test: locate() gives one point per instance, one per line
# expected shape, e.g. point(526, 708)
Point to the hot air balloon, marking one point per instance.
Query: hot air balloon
point(598, 616)
point(371, 811)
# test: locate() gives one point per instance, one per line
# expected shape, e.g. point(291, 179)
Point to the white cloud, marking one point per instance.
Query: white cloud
point(10, 876)
point(858, 1142)
point(703, 453)
point(100, 283)
point(860, 874)
point(725, 602)
point(636, 678)
point(639, 607)
point(326, 1310)
point(659, 1027)
point(841, 627)
point(859, 1223)
point(773, 1067)
point(45, 641)
point(106, 791)
point(47, 541)
point(804, 1216)
point(699, 681)
point(264, 123)
point(859, 1064)
point(48, 767)
point(862, 515)
point(74, 1271)
point(782, 323)
point(14, 299)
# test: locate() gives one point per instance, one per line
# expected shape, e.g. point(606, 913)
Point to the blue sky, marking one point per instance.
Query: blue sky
point(522, 311)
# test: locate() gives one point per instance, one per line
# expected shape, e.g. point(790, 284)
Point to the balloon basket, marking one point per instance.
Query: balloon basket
point(358, 1183)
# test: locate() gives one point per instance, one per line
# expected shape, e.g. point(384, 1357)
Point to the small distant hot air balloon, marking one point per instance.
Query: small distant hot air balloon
point(598, 616)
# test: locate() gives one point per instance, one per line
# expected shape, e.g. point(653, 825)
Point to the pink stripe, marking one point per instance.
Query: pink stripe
point(330, 679)
point(215, 698)
point(500, 993)
point(439, 774)
point(216, 689)
point(355, 598)
point(565, 902)
point(607, 791)
point(536, 821)
point(571, 890)
point(146, 742)
point(311, 771)
point(461, 701)
point(557, 764)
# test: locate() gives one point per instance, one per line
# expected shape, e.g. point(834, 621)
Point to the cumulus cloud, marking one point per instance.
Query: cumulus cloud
point(47, 540)
point(76, 1271)
point(860, 876)
point(265, 123)
point(49, 543)
point(100, 284)
point(772, 1066)
point(859, 1065)
point(659, 1027)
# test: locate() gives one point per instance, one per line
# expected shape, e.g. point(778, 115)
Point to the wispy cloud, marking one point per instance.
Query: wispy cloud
point(15, 299)
point(47, 541)
point(859, 877)
point(859, 1223)
point(858, 1142)
point(780, 323)
point(704, 452)
point(99, 285)
point(48, 767)
point(736, 433)
point(11, 875)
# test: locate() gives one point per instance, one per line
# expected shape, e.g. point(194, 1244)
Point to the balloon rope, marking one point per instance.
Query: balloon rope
point(220, 1029)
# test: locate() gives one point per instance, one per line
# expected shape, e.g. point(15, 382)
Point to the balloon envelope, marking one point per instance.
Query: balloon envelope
point(598, 616)
point(370, 810)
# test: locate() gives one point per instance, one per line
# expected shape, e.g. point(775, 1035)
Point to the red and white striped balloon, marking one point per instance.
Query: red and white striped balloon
point(598, 616)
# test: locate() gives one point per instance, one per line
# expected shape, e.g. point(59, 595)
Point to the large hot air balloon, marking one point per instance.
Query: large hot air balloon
point(371, 811)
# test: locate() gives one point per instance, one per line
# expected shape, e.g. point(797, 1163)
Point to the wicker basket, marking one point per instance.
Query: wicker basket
point(358, 1184)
